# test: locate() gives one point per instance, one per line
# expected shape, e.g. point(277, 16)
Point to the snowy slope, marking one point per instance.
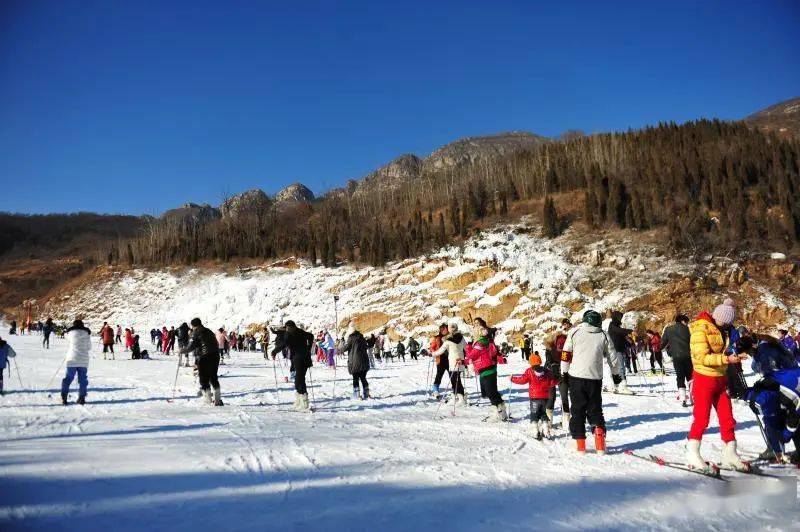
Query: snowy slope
point(130, 460)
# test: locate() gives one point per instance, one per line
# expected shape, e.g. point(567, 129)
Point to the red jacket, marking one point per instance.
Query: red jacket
point(108, 335)
point(481, 356)
point(538, 386)
point(655, 343)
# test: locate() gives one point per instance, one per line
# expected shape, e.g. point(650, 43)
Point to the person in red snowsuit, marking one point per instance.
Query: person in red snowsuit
point(540, 382)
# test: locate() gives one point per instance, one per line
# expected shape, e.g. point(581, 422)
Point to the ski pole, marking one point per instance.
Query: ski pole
point(177, 370)
point(333, 394)
point(19, 377)
point(311, 380)
point(428, 376)
point(275, 373)
point(508, 393)
point(441, 401)
point(50, 383)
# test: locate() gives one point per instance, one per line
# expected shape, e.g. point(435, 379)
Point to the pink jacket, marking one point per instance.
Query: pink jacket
point(221, 339)
point(538, 386)
point(482, 357)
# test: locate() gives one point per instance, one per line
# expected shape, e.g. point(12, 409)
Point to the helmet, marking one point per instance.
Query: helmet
point(592, 317)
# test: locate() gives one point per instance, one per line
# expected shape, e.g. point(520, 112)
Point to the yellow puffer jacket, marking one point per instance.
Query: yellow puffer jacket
point(707, 347)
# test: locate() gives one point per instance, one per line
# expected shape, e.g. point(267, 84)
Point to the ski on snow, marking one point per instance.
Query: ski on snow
point(632, 394)
point(713, 472)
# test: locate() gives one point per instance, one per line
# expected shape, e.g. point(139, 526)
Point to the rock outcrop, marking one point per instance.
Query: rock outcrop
point(192, 213)
point(255, 202)
point(295, 193)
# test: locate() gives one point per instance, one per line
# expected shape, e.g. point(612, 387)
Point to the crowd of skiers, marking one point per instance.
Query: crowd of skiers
point(706, 353)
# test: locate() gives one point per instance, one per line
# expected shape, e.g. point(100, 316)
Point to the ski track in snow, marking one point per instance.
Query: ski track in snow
point(130, 460)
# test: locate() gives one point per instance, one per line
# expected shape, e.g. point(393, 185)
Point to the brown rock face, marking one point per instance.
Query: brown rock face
point(296, 193)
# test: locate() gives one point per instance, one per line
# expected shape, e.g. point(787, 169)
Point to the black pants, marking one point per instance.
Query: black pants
point(300, 379)
point(538, 410)
point(207, 367)
point(683, 370)
point(563, 392)
point(526, 353)
point(657, 357)
point(737, 387)
point(630, 361)
point(455, 382)
point(414, 355)
point(108, 347)
point(587, 405)
point(489, 388)
point(118, 339)
point(362, 377)
point(46, 340)
point(441, 367)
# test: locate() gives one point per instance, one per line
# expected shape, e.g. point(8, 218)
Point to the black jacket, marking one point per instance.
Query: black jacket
point(203, 343)
point(676, 341)
point(356, 349)
point(299, 343)
point(617, 333)
point(183, 333)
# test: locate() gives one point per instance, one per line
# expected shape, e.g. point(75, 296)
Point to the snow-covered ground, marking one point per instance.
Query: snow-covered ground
point(130, 460)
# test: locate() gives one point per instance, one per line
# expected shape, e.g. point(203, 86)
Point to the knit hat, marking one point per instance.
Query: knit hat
point(725, 313)
point(593, 318)
point(535, 360)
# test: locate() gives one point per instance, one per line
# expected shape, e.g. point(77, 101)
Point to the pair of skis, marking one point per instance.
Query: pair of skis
point(714, 470)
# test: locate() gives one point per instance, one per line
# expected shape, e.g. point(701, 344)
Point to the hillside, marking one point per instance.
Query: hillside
point(782, 118)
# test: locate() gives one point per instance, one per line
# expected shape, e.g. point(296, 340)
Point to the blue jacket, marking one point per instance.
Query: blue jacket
point(6, 352)
point(776, 399)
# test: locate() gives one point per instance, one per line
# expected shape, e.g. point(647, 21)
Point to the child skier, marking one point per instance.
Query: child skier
point(540, 382)
point(6, 352)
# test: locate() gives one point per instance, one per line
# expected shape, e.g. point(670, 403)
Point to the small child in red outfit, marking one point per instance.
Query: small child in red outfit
point(540, 381)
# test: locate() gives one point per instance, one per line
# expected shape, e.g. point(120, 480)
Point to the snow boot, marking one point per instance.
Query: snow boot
point(207, 396)
point(304, 406)
point(549, 416)
point(600, 440)
point(494, 416)
point(63, 398)
point(548, 430)
point(502, 411)
point(356, 393)
point(366, 393)
point(565, 417)
point(536, 430)
point(622, 388)
point(730, 458)
point(580, 445)
point(81, 400)
point(297, 398)
point(693, 458)
point(435, 391)
point(461, 399)
point(218, 397)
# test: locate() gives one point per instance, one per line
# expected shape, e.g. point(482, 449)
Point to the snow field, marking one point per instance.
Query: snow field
point(130, 460)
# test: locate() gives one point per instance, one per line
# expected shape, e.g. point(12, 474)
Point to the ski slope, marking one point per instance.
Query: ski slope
point(131, 460)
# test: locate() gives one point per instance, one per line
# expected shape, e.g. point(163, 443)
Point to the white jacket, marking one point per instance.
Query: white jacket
point(79, 343)
point(589, 345)
point(455, 350)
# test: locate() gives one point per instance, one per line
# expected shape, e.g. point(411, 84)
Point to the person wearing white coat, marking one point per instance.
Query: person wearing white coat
point(454, 345)
point(79, 343)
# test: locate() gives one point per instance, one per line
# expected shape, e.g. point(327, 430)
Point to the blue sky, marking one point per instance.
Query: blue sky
point(136, 107)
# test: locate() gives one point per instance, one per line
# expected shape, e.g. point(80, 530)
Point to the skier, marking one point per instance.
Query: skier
point(401, 350)
point(526, 346)
point(656, 357)
point(6, 352)
point(482, 352)
point(709, 389)
point(441, 361)
point(47, 330)
point(676, 341)
point(13, 328)
point(357, 361)
point(79, 343)
point(118, 336)
point(183, 335)
point(128, 339)
point(453, 351)
point(584, 349)
point(136, 350)
point(206, 351)
point(563, 382)
point(775, 398)
point(619, 340)
point(540, 382)
point(371, 349)
point(107, 335)
point(299, 343)
point(413, 348)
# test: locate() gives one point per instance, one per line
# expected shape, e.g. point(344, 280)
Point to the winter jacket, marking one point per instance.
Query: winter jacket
point(203, 342)
point(413, 345)
point(299, 343)
point(789, 343)
point(779, 404)
point(79, 343)
point(483, 355)
point(327, 342)
point(454, 346)
point(107, 333)
point(707, 346)
point(655, 343)
point(617, 333)
point(221, 339)
point(538, 385)
point(183, 333)
point(356, 349)
point(128, 338)
point(584, 350)
point(6, 352)
point(401, 349)
point(676, 341)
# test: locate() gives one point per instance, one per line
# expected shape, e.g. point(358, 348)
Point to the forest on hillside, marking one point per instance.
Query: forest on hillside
point(710, 184)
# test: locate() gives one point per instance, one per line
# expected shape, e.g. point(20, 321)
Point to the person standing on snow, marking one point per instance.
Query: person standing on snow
point(563, 380)
point(47, 330)
point(329, 346)
point(584, 349)
point(676, 341)
point(540, 382)
point(6, 352)
point(128, 339)
point(619, 340)
point(357, 361)
point(107, 335)
point(118, 336)
point(206, 352)
point(413, 348)
point(710, 388)
point(656, 356)
point(482, 352)
point(453, 350)
point(441, 361)
point(79, 344)
point(299, 343)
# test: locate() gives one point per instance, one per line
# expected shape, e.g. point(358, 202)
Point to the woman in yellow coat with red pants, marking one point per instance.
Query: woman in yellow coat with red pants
point(710, 389)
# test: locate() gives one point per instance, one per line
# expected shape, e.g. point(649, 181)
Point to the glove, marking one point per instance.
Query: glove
point(616, 378)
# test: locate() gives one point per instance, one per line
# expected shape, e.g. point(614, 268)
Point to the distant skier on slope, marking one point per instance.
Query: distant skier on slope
point(676, 342)
point(204, 344)
point(618, 336)
point(453, 351)
point(79, 344)
point(107, 336)
point(440, 361)
point(6, 352)
point(299, 344)
point(582, 363)
point(357, 361)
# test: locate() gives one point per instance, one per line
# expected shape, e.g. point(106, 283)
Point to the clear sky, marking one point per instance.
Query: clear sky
point(138, 106)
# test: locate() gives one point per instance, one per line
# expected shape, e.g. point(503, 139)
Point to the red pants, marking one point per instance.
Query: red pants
point(707, 392)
